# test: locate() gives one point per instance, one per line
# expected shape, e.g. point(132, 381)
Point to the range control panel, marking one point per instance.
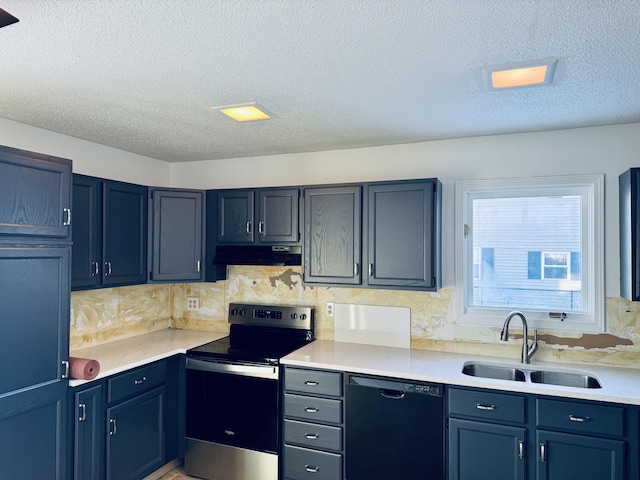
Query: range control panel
point(285, 316)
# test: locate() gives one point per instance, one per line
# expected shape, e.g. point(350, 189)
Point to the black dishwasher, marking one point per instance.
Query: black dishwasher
point(394, 429)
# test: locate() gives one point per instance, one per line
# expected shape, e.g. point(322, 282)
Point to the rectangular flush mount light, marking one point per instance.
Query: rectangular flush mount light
point(521, 75)
point(246, 112)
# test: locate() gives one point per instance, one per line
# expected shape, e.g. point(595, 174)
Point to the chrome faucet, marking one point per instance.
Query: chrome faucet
point(527, 351)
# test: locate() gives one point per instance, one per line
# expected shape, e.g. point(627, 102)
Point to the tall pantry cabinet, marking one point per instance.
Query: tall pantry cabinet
point(35, 256)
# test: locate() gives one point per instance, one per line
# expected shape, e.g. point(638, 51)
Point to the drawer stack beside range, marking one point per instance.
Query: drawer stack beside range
point(313, 424)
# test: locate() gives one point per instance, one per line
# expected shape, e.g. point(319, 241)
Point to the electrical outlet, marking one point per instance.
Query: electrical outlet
point(193, 303)
point(329, 310)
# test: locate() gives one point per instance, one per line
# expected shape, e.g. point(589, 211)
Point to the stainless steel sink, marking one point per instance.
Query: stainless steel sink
point(498, 372)
point(566, 379)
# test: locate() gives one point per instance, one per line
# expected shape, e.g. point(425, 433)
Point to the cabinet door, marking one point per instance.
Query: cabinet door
point(278, 215)
point(235, 216)
point(86, 262)
point(34, 343)
point(332, 231)
point(33, 432)
point(88, 457)
point(35, 195)
point(136, 436)
point(576, 457)
point(124, 227)
point(403, 235)
point(484, 451)
point(629, 183)
point(176, 235)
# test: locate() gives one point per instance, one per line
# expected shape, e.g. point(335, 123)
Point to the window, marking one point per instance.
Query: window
point(534, 245)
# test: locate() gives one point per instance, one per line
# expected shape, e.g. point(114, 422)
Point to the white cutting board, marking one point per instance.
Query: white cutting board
point(373, 325)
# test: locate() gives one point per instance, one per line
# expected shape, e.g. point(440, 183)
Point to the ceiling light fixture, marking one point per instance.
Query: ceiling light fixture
point(520, 75)
point(245, 112)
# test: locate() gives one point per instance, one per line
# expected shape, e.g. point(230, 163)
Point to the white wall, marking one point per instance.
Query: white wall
point(609, 150)
point(88, 158)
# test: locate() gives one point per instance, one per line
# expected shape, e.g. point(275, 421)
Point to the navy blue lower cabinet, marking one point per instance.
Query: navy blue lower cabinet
point(88, 456)
point(136, 436)
point(578, 457)
point(483, 451)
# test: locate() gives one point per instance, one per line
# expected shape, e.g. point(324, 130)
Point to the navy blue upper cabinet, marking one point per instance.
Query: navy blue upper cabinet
point(332, 237)
point(382, 235)
point(176, 252)
point(111, 230)
point(629, 183)
point(404, 234)
point(34, 196)
point(268, 216)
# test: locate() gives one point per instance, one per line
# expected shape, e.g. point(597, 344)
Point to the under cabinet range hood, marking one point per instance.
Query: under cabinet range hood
point(258, 255)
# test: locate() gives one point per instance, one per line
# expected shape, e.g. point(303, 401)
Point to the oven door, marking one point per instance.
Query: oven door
point(233, 404)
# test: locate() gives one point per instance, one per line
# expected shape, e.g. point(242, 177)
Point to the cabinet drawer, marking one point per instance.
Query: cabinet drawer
point(313, 381)
point(487, 406)
point(136, 381)
point(581, 417)
point(313, 435)
point(304, 464)
point(312, 408)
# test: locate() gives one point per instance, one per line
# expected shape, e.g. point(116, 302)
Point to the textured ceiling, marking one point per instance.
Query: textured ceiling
point(141, 75)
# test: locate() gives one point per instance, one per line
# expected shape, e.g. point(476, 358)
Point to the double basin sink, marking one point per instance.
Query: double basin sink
point(522, 373)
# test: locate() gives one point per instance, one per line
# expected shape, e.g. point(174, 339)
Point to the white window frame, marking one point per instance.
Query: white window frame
point(591, 189)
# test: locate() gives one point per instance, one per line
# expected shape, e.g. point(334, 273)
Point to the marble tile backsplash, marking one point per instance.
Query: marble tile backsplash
point(103, 315)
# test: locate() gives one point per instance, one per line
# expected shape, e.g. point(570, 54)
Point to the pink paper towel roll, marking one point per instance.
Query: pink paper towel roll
point(83, 368)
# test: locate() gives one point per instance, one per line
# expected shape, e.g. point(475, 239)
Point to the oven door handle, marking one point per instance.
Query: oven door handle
point(260, 371)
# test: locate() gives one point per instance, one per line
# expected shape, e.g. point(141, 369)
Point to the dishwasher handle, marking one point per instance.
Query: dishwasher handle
point(396, 388)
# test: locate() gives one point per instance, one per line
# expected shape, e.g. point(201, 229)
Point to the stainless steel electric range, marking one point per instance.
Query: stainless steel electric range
point(233, 393)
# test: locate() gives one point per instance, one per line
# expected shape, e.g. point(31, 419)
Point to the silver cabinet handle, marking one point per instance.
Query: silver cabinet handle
point(543, 453)
point(520, 449)
point(83, 408)
point(113, 429)
point(312, 468)
point(140, 382)
point(576, 418)
point(65, 364)
point(261, 228)
point(371, 269)
point(310, 383)
point(489, 408)
point(95, 269)
point(311, 436)
point(248, 228)
point(198, 266)
point(356, 269)
point(107, 269)
point(67, 217)
point(311, 409)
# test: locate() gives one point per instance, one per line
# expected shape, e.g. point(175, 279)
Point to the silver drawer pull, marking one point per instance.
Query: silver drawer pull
point(140, 382)
point(113, 428)
point(83, 408)
point(310, 383)
point(311, 409)
point(575, 418)
point(490, 408)
point(543, 453)
point(311, 436)
point(312, 468)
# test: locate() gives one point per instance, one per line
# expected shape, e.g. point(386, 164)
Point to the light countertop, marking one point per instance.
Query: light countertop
point(620, 385)
point(121, 355)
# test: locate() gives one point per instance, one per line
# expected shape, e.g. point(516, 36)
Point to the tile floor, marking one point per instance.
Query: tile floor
point(176, 474)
